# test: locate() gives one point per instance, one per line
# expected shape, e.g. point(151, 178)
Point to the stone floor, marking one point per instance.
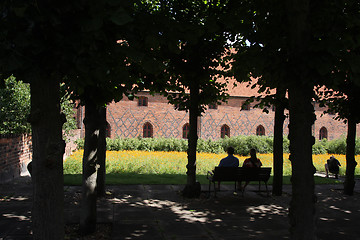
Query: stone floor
point(160, 212)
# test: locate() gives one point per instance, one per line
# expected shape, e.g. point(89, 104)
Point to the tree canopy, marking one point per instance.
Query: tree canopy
point(14, 107)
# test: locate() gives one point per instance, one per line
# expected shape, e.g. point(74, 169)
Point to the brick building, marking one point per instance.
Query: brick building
point(153, 116)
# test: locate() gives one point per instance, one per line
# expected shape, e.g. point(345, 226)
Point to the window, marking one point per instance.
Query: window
point(147, 130)
point(225, 131)
point(260, 131)
point(143, 101)
point(323, 133)
point(186, 129)
point(212, 106)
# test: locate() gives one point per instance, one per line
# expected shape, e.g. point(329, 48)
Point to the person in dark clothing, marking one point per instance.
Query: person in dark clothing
point(332, 165)
point(251, 162)
point(230, 160)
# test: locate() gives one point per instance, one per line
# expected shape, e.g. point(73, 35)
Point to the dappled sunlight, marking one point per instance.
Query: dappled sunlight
point(123, 200)
point(15, 198)
point(181, 211)
point(266, 210)
point(327, 219)
point(15, 216)
point(138, 232)
point(338, 209)
point(339, 204)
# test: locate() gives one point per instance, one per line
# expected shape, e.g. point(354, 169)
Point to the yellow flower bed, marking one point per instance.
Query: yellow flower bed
point(175, 162)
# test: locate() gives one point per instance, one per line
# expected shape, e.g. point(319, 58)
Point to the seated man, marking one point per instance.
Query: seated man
point(229, 161)
point(332, 166)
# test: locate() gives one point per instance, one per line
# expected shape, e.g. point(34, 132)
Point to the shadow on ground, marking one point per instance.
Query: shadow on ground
point(160, 212)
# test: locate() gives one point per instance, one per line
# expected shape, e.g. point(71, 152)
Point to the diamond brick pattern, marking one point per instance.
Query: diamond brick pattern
point(127, 120)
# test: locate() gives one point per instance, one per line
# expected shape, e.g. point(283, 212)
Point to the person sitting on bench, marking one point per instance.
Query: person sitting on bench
point(251, 162)
point(229, 161)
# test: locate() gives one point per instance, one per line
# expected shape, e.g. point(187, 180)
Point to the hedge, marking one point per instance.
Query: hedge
point(241, 144)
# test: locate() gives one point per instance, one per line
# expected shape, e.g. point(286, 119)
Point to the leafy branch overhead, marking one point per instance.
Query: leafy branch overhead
point(189, 40)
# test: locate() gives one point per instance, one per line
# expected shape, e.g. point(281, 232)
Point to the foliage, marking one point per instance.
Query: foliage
point(14, 107)
point(67, 107)
point(193, 48)
point(242, 145)
point(320, 147)
point(337, 146)
point(144, 162)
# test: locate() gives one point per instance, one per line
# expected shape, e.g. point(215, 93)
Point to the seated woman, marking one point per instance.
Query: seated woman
point(251, 162)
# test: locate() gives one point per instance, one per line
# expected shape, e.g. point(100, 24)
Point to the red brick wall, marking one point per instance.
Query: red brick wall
point(126, 119)
point(15, 154)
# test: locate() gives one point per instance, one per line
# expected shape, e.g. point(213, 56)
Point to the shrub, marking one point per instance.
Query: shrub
point(286, 144)
point(319, 147)
point(80, 143)
point(241, 144)
point(336, 146)
point(209, 146)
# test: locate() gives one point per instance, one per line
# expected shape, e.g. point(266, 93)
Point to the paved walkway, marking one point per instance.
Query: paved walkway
point(159, 212)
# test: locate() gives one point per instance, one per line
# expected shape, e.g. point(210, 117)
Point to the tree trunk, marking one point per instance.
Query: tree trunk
point(300, 88)
point(349, 183)
point(47, 164)
point(302, 205)
point(278, 142)
point(92, 160)
point(101, 176)
point(192, 188)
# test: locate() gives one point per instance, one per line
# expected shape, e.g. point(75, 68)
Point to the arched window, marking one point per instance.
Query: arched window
point(323, 133)
point(260, 130)
point(143, 101)
point(147, 130)
point(186, 129)
point(225, 131)
point(108, 130)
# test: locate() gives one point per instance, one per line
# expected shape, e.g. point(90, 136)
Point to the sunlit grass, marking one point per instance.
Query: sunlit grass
point(143, 163)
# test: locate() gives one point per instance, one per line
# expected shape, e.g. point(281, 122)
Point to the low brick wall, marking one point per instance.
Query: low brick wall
point(15, 154)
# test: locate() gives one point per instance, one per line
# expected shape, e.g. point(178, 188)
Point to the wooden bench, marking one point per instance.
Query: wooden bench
point(239, 174)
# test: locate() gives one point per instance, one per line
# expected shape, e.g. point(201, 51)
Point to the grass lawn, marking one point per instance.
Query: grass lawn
point(141, 167)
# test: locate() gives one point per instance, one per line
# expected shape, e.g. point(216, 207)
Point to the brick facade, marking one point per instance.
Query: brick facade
point(126, 119)
point(15, 154)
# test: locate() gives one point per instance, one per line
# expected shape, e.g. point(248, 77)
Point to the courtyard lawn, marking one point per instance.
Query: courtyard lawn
point(141, 167)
